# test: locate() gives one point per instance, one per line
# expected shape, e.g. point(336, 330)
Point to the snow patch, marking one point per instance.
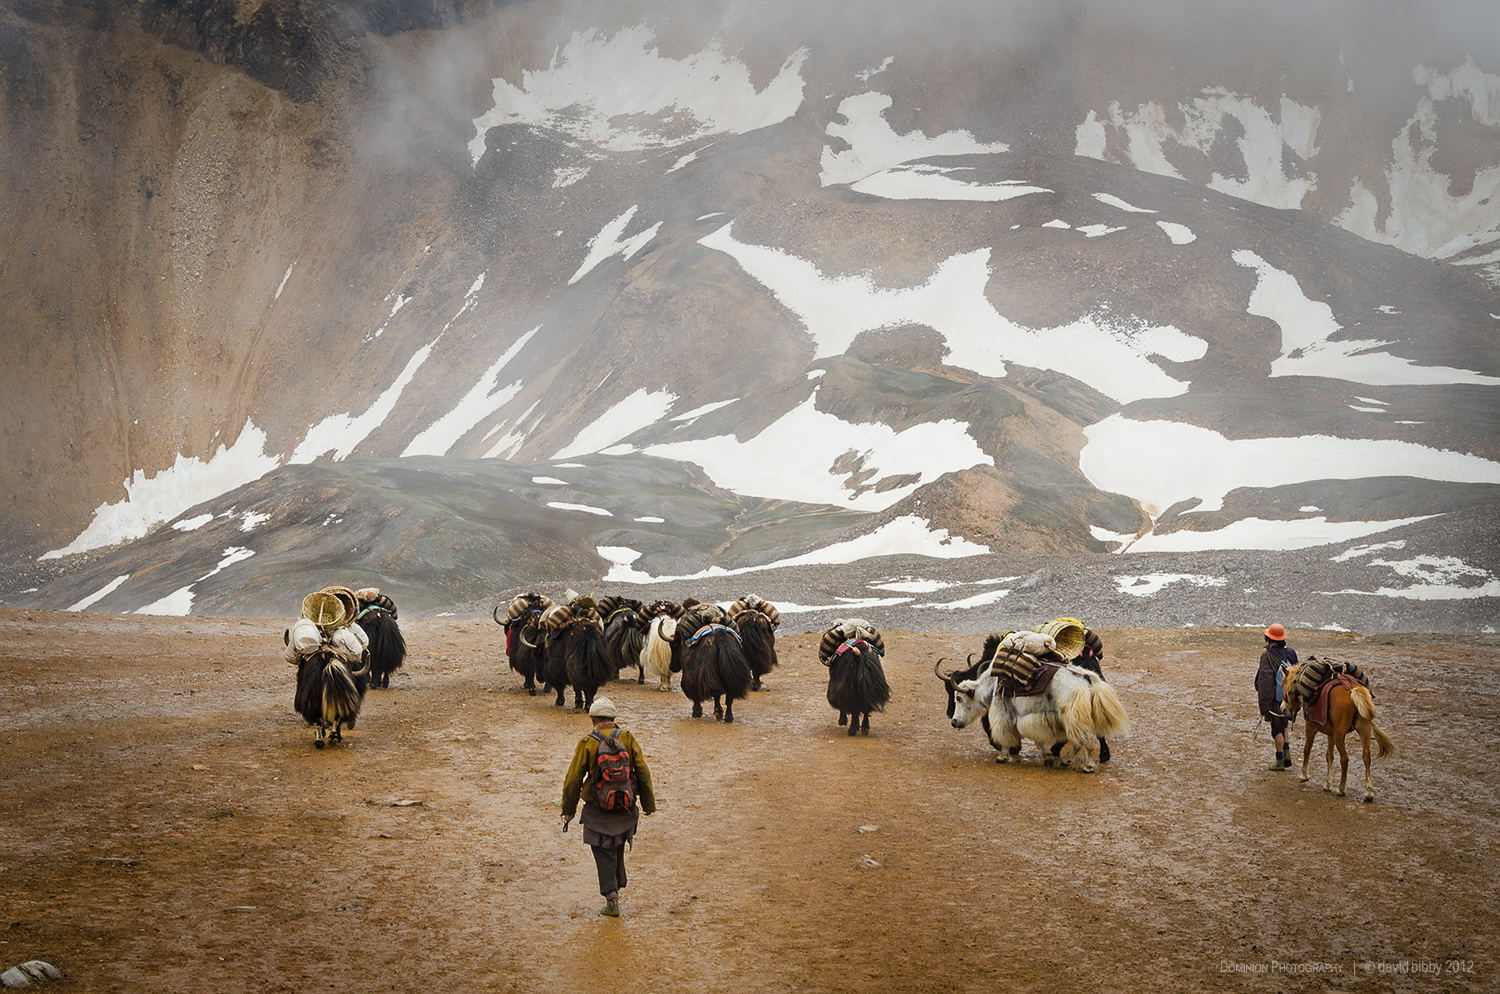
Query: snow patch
point(640, 410)
point(180, 602)
point(1308, 327)
point(811, 456)
point(1147, 584)
point(252, 520)
point(1180, 234)
point(607, 243)
point(480, 402)
point(99, 594)
point(149, 501)
point(1114, 201)
point(341, 434)
point(1258, 533)
point(1112, 356)
point(619, 94)
point(549, 481)
point(585, 508)
point(1364, 550)
point(976, 600)
point(875, 146)
point(1435, 578)
point(1124, 456)
point(192, 524)
point(924, 182)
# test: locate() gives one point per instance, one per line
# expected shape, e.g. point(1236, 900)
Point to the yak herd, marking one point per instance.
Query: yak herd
point(1026, 685)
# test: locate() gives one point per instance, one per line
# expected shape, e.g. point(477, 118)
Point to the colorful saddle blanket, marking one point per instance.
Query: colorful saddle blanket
point(1317, 707)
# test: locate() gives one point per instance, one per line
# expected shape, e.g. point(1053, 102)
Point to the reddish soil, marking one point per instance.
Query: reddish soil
point(167, 825)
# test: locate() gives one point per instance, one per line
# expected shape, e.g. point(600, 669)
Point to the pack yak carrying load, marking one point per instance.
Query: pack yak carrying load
point(851, 649)
point(331, 653)
point(376, 614)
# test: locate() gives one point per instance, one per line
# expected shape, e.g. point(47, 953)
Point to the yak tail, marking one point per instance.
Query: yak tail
point(656, 654)
point(387, 644)
point(1107, 712)
point(731, 671)
point(869, 681)
point(341, 694)
point(596, 668)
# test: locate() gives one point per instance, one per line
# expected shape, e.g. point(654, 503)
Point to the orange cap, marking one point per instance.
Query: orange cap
point(1276, 633)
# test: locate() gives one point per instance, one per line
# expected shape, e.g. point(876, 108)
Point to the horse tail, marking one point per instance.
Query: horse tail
point(1385, 746)
point(1105, 709)
point(1364, 703)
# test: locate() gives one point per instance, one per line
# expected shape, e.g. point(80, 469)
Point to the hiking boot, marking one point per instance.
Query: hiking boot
point(611, 907)
point(1279, 765)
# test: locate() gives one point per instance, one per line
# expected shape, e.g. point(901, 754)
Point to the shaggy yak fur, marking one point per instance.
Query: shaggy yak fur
point(329, 693)
point(387, 645)
point(656, 654)
point(1091, 659)
point(857, 685)
point(713, 666)
point(576, 653)
point(526, 655)
point(624, 633)
point(756, 622)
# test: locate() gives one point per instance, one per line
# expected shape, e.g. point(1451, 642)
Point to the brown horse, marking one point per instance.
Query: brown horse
point(1349, 708)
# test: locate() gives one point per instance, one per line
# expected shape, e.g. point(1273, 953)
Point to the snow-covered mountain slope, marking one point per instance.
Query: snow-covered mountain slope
point(1006, 279)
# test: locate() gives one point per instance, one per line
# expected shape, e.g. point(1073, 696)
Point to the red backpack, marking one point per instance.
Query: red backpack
point(614, 783)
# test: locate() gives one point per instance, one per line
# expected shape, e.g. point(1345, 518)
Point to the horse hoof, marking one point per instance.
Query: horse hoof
point(1302, 779)
point(865, 730)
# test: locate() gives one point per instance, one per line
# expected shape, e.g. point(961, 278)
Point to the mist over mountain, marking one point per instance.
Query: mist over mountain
point(462, 297)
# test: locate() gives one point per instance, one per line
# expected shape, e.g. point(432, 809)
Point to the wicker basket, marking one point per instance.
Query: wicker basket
point(1067, 633)
point(326, 609)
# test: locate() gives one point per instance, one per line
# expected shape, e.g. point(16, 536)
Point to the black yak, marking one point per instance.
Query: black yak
point(713, 663)
point(624, 633)
point(851, 650)
point(329, 692)
point(525, 656)
point(756, 621)
point(377, 616)
point(576, 654)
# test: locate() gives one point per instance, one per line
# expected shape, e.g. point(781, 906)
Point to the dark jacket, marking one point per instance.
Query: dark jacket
point(1268, 679)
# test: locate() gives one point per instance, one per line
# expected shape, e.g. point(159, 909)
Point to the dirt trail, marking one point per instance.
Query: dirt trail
point(165, 824)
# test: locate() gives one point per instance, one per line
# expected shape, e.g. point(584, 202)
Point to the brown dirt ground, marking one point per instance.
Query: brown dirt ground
point(166, 824)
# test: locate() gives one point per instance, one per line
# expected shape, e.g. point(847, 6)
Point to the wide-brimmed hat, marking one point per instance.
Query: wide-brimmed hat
point(1276, 633)
point(603, 707)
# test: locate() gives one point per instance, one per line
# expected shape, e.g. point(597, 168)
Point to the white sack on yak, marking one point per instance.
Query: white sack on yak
point(1030, 643)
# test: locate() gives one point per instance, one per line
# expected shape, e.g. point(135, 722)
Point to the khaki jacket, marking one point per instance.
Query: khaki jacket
point(586, 760)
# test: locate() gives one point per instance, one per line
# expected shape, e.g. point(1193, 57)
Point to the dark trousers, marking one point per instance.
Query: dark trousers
point(610, 861)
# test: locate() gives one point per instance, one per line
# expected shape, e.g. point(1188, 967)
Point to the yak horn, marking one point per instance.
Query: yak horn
point(496, 615)
point(286, 637)
point(945, 677)
point(522, 636)
point(364, 664)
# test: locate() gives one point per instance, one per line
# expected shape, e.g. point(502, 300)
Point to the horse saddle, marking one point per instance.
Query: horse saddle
point(1317, 707)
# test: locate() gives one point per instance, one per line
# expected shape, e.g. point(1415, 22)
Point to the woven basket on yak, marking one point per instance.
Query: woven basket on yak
point(326, 610)
point(1067, 633)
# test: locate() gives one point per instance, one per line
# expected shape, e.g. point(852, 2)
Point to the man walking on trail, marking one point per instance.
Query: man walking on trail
point(609, 771)
point(1268, 689)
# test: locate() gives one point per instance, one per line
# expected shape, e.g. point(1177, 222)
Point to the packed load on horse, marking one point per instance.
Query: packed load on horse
point(756, 621)
point(377, 616)
point(851, 649)
point(331, 653)
point(1338, 702)
point(712, 659)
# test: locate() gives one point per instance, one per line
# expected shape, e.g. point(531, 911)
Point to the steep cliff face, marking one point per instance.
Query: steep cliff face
point(1032, 276)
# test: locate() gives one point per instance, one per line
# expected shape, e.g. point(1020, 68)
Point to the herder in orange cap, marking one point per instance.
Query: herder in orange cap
point(1273, 662)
